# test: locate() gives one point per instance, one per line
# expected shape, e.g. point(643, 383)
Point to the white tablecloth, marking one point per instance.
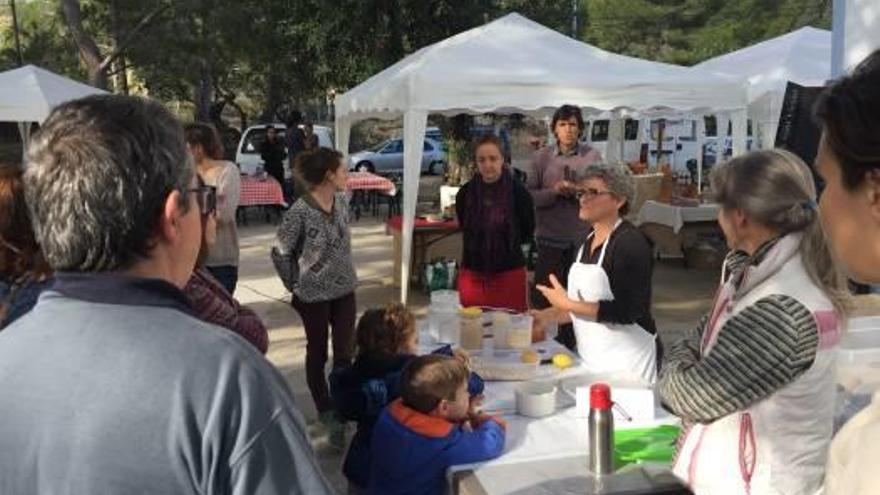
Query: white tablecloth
point(569, 476)
point(676, 216)
point(559, 435)
point(447, 196)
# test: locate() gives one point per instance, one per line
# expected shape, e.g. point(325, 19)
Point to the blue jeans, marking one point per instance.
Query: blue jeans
point(226, 275)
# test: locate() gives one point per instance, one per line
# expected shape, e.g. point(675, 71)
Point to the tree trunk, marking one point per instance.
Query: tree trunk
point(120, 63)
point(274, 98)
point(396, 49)
point(122, 75)
point(203, 94)
point(88, 49)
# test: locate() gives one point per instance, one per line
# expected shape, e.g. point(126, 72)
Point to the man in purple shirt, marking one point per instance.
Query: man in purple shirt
point(559, 231)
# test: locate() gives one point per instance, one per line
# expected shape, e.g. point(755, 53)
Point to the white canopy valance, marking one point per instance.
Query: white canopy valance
point(516, 65)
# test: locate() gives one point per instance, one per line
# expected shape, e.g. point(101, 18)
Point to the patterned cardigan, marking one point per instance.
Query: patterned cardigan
point(318, 244)
point(213, 304)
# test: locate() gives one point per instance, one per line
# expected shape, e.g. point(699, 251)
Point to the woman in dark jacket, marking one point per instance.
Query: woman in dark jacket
point(24, 274)
point(497, 217)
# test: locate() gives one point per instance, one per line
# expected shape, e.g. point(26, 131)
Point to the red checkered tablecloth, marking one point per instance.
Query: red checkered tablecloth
point(365, 181)
point(257, 192)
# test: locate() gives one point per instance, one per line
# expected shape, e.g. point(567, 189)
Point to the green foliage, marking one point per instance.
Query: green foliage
point(272, 55)
point(690, 31)
point(42, 36)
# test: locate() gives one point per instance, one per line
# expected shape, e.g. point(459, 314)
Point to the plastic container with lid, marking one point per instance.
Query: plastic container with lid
point(443, 317)
point(471, 328)
point(858, 358)
point(500, 325)
point(519, 334)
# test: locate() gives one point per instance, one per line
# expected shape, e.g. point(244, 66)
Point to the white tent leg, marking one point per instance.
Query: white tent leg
point(414, 123)
point(739, 118)
point(701, 138)
point(24, 128)
point(613, 142)
point(723, 121)
point(343, 133)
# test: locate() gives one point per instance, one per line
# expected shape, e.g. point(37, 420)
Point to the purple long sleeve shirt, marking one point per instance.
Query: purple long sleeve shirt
point(557, 217)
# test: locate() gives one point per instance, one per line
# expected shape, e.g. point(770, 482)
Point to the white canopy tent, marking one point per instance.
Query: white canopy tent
point(856, 33)
point(516, 65)
point(29, 93)
point(802, 56)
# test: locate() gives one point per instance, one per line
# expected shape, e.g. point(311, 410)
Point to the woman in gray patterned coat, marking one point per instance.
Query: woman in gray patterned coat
point(315, 234)
point(754, 383)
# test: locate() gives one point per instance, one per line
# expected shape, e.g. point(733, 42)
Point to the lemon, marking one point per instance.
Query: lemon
point(562, 360)
point(529, 356)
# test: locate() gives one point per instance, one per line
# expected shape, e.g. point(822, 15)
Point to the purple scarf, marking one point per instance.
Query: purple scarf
point(489, 222)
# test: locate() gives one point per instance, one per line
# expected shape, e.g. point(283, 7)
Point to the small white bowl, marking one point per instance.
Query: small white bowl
point(536, 399)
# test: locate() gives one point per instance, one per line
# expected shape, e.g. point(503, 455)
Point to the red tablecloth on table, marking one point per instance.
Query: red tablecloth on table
point(396, 223)
point(365, 181)
point(256, 192)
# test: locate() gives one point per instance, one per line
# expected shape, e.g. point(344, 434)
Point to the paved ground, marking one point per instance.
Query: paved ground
point(680, 298)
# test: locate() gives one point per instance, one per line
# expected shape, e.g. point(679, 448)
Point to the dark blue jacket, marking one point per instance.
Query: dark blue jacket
point(24, 299)
point(360, 393)
point(412, 450)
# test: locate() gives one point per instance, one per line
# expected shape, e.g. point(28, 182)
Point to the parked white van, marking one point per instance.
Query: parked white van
point(247, 155)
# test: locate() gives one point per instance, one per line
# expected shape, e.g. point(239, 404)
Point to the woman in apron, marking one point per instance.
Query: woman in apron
point(608, 299)
point(754, 383)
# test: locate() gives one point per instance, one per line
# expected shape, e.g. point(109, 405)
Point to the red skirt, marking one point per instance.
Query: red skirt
point(505, 290)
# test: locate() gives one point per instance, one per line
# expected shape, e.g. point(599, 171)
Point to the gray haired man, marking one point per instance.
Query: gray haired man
point(110, 385)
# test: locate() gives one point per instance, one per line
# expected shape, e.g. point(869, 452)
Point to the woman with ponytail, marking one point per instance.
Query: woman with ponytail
point(497, 217)
point(754, 383)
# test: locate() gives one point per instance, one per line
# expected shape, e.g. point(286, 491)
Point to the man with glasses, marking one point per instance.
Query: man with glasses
point(110, 384)
point(558, 230)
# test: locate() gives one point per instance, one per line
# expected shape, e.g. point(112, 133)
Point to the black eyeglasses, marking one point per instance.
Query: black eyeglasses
point(206, 197)
point(589, 193)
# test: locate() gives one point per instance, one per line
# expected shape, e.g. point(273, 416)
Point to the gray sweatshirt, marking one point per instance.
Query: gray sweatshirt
point(110, 386)
point(556, 217)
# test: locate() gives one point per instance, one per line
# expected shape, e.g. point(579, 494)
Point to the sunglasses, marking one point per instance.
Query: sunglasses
point(589, 193)
point(206, 197)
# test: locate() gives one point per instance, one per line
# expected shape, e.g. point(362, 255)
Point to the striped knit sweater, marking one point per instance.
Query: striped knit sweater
point(760, 350)
point(320, 242)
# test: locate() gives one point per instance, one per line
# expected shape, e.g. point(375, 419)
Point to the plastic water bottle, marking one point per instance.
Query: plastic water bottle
point(601, 430)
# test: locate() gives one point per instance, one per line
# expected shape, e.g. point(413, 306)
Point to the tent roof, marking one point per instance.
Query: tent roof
point(802, 56)
point(28, 94)
point(515, 64)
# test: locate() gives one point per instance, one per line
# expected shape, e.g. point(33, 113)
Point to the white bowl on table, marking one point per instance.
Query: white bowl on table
point(536, 399)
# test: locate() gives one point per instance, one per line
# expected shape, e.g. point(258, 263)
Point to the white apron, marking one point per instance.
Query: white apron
point(779, 445)
point(606, 347)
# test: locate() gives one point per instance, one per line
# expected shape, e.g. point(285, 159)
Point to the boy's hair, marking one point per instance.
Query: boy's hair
point(427, 380)
point(385, 330)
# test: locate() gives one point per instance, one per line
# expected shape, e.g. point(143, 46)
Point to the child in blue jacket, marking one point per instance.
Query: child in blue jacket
point(386, 341)
point(431, 427)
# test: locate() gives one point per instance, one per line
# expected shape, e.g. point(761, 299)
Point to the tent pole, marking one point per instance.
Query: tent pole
point(24, 129)
point(414, 123)
point(15, 32)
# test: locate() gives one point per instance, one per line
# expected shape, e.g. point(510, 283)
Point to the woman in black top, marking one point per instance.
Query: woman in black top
point(497, 217)
point(609, 286)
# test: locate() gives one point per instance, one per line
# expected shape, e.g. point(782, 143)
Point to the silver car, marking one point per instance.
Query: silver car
point(388, 157)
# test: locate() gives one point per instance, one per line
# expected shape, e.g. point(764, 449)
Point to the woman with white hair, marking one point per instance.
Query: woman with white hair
point(754, 383)
point(608, 299)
